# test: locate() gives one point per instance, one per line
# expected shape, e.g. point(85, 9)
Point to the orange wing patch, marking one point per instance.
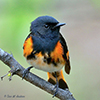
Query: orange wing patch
point(28, 46)
point(57, 53)
point(67, 54)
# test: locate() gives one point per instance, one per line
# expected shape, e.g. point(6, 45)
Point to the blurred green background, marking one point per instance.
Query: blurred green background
point(82, 33)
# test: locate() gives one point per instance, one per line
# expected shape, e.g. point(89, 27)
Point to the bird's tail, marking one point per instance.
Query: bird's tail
point(60, 79)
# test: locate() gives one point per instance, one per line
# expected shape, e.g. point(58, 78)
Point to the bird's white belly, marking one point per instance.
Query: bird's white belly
point(41, 65)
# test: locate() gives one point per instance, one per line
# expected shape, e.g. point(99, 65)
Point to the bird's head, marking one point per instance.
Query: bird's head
point(45, 26)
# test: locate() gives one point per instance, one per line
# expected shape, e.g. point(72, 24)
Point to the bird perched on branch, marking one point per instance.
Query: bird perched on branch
point(46, 49)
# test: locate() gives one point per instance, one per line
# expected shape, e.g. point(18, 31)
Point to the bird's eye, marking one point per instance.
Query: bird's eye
point(46, 26)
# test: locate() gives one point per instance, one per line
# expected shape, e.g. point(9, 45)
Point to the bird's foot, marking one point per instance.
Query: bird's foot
point(56, 87)
point(26, 71)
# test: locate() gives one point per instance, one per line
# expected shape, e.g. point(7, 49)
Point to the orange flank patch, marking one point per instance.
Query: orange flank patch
point(57, 53)
point(28, 46)
point(39, 54)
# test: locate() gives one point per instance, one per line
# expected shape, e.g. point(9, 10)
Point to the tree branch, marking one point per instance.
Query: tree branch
point(17, 69)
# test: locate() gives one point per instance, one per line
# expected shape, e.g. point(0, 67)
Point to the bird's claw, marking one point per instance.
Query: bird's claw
point(56, 87)
point(26, 71)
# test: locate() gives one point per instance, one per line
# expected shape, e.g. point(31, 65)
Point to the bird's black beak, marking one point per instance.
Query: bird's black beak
point(58, 25)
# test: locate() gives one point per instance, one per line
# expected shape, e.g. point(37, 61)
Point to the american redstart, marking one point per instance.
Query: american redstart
point(46, 49)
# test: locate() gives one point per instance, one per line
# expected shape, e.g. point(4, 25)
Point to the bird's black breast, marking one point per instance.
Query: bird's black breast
point(44, 45)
